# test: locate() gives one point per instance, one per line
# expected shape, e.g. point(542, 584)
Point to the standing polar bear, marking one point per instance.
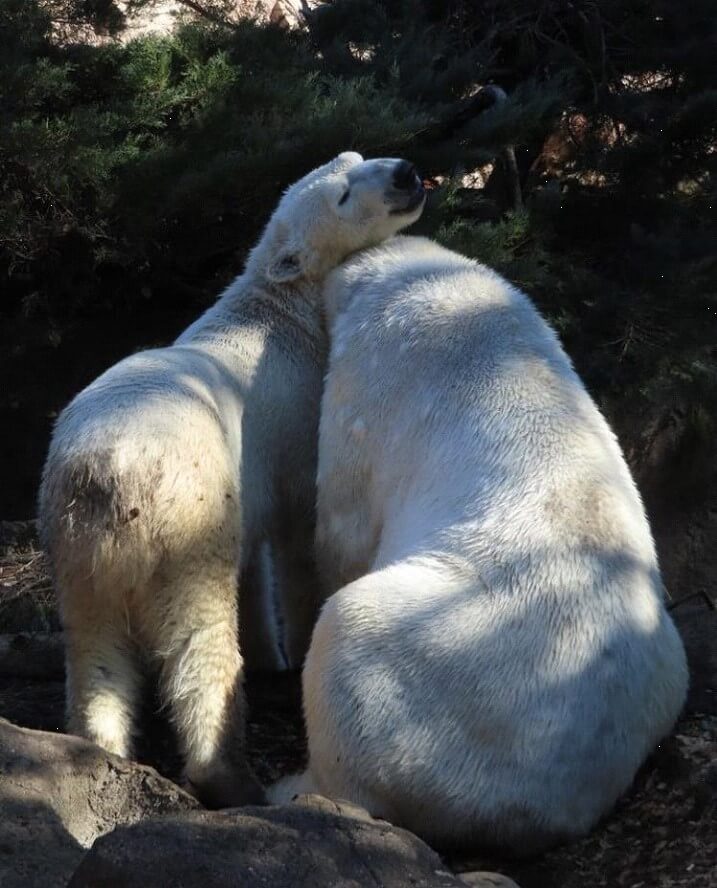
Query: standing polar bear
point(497, 660)
point(168, 472)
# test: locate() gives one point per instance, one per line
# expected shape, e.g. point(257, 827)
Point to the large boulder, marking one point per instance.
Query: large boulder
point(58, 794)
point(313, 844)
point(61, 795)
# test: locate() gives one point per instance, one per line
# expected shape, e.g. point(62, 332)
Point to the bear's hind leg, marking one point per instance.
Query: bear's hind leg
point(201, 681)
point(102, 679)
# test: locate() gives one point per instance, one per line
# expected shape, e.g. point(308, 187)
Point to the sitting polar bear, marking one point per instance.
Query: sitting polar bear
point(497, 660)
point(167, 472)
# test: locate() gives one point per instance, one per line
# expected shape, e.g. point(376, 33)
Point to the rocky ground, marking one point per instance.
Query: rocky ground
point(59, 796)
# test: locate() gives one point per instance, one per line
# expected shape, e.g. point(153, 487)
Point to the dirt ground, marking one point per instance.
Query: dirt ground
point(663, 833)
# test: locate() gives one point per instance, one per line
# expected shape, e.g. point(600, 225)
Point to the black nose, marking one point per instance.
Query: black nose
point(405, 176)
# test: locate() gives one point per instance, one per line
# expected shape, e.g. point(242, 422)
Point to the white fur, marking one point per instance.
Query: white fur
point(172, 468)
point(497, 661)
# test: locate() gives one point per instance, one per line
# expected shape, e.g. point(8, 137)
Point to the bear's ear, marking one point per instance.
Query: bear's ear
point(292, 262)
point(285, 266)
point(346, 160)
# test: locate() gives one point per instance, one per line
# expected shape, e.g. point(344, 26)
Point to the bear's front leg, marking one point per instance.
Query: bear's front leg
point(297, 585)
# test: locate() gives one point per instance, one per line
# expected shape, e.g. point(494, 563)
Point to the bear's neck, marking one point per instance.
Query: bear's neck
point(292, 310)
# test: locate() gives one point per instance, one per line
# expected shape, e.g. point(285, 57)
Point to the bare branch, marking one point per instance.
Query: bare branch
point(207, 14)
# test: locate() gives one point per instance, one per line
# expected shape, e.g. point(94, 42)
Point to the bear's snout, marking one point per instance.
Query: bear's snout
point(405, 177)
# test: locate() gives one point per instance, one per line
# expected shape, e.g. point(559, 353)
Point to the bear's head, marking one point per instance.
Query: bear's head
point(343, 206)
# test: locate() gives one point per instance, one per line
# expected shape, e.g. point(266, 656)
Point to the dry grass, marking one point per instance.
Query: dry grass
point(27, 599)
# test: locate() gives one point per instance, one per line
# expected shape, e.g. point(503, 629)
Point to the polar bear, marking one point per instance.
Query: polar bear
point(167, 472)
point(495, 661)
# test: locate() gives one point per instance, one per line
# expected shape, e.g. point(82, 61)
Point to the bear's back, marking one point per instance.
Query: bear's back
point(458, 369)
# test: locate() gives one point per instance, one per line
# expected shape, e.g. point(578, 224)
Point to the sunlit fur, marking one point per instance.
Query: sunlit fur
point(497, 661)
point(167, 472)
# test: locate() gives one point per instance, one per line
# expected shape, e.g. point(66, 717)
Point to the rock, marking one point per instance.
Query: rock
point(333, 806)
point(313, 844)
point(58, 794)
point(487, 880)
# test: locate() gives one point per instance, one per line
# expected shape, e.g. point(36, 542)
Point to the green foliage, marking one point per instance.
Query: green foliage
point(164, 156)
point(509, 245)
